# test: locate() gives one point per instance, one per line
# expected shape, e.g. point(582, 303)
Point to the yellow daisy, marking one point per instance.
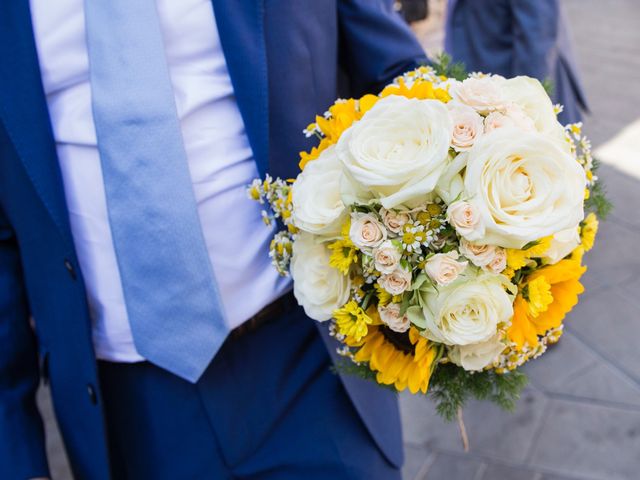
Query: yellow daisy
point(343, 255)
point(538, 295)
point(352, 321)
point(343, 251)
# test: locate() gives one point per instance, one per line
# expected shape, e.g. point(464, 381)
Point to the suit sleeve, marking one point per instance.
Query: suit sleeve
point(376, 44)
point(22, 452)
point(535, 31)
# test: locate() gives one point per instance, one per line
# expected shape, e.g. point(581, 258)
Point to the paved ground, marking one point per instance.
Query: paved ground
point(580, 418)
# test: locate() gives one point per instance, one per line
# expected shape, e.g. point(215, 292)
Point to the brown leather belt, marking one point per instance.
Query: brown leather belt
point(281, 306)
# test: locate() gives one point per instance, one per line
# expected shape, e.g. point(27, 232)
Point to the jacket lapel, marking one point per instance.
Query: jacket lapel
point(241, 29)
point(23, 109)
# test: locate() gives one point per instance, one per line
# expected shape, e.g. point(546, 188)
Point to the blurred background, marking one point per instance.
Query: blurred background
point(580, 416)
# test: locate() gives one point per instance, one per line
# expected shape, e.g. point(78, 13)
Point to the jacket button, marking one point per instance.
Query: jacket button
point(69, 266)
point(91, 391)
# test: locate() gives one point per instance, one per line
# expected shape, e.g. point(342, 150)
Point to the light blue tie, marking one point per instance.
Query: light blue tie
point(174, 309)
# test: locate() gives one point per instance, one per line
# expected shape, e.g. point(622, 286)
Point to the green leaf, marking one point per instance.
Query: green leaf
point(420, 280)
point(531, 244)
point(443, 65)
point(416, 317)
point(367, 299)
point(548, 86)
point(405, 304)
point(452, 387)
point(598, 201)
point(344, 366)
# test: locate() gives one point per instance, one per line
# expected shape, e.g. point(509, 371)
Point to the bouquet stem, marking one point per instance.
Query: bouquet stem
point(463, 431)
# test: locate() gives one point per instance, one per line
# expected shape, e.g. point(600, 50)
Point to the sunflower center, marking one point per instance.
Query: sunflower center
point(399, 340)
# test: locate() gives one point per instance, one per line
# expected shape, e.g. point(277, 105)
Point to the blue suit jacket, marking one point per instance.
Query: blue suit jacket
point(517, 37)
point(285, 59)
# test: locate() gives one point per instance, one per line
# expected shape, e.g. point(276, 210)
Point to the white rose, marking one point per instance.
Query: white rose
point(524, 187)
point(394, 221)
point(467, 126)
point(444, 268)
point(477, 356)
point(529, 94)
point(499, 261)
point(519, 117)
point(451, 184)
point(466, 219)
point(396, 282)
point(319, 288)
point(390, 315)
point(450, 84)
point(480, 255)
point(483, 94)
point(366, 231)
point(386, 257)
point(562, 244)
point(317, 205)
point(496, 120)
point(398, 150)
point(466, 311)
point(513, 116)
point(488, 257)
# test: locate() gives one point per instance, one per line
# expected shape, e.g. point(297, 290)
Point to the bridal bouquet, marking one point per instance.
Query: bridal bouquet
point(439, 227)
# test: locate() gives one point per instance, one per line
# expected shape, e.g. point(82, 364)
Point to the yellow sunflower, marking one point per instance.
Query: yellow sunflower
point(588, 231)
point(306, 157)
point(403, 368)
point(544, 299)
point(342, 115)
point(421, 89)
point(518, 258)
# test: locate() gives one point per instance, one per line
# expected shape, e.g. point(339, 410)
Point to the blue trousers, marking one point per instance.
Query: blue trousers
point(268, 407)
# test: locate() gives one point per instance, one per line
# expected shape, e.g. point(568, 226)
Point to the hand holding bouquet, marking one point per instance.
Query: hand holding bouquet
point(440, 228)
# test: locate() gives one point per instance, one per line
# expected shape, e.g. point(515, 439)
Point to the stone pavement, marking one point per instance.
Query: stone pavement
point(580, 417)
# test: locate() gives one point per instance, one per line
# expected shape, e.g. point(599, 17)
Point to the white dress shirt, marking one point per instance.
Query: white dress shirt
point(220, 161)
